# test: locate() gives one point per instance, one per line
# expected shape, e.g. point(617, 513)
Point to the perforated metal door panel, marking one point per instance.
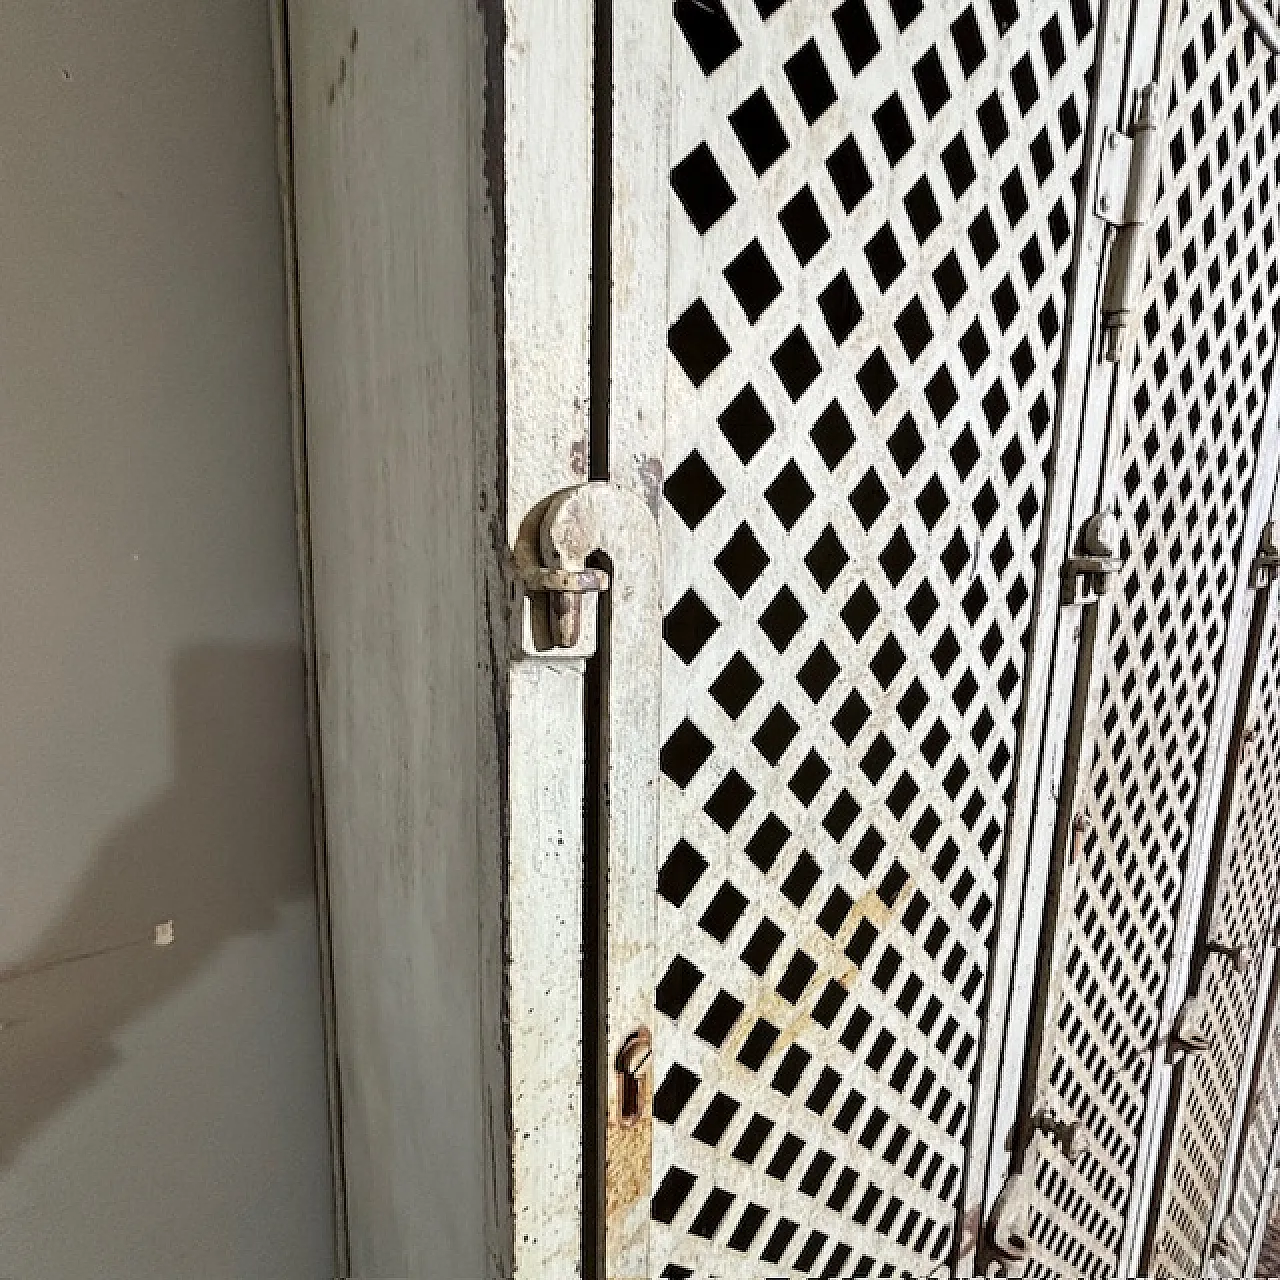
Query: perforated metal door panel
point(1258, 1152)
point(1185, 476)
point(1269, 1257)
point(1241, 915)
point(874, 210)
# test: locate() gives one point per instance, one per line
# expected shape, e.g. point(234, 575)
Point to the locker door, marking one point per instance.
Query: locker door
point(902, 619)
point(1249, 1223)
point(877, 211)
point(857, 469)
point(1190, 460)
point(1227, 1004)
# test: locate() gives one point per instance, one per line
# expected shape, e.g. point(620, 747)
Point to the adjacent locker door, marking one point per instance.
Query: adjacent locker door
point(877, 207)
point(1188, 475)
point(1230, 981)
point(1252, 1224)
point(1218, 1160)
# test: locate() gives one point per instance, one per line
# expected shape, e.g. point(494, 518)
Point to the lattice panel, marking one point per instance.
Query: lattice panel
point(1232, 1251)
point(1202, 375)
point(1269, 1258)
point(1243, 913)
point(875, 203)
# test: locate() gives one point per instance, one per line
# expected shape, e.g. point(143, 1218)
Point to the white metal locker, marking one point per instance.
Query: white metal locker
point(874, 432)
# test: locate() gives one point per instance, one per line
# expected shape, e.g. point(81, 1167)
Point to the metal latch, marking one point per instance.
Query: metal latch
point(1009, 1231)
point(1128, 181)
point(1266, 564)
point(1068, 1134)
point(553, 567)
point(564, 589)
point(1086, 576)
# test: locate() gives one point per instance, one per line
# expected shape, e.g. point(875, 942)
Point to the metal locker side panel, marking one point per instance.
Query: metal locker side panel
point(874, 214)
point(1185, 480)
point(399, 186)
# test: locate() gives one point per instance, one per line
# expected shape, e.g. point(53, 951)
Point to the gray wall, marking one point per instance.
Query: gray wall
point(162, 1112)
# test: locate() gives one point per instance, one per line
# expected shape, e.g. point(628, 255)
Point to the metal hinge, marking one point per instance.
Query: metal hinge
point(1266, 564)
point(1128, 179)
point(1087, 575)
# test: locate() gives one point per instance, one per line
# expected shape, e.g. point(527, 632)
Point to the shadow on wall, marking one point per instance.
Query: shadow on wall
point(217, 854)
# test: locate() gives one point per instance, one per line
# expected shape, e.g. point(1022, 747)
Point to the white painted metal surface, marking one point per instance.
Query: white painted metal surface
point(1166, 662)
point(1201, 1169)
point(876, 214)
point(918, 911)
point(1250, 1189)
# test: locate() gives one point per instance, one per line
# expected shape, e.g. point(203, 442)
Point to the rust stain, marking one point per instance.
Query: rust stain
point(628, 1166)
point(792, 1022)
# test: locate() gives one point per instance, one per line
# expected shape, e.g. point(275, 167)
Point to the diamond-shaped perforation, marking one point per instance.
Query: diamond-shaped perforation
point(1202, 377)
point(1258, 1146)
point(1269, 1256)
point(1242, 914)
point(850, 594)
point(1245, 910)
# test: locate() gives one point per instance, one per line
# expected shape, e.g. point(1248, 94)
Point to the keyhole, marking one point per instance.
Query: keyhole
point(634, 1065)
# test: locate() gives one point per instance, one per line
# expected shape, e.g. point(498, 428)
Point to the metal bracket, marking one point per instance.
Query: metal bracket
point(1086, 576)
point(1266, 564)
point(1068, 1134)
point(1237, 956)
point(1128, 182)
point(1009, 1231)
point(1189, 1035)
